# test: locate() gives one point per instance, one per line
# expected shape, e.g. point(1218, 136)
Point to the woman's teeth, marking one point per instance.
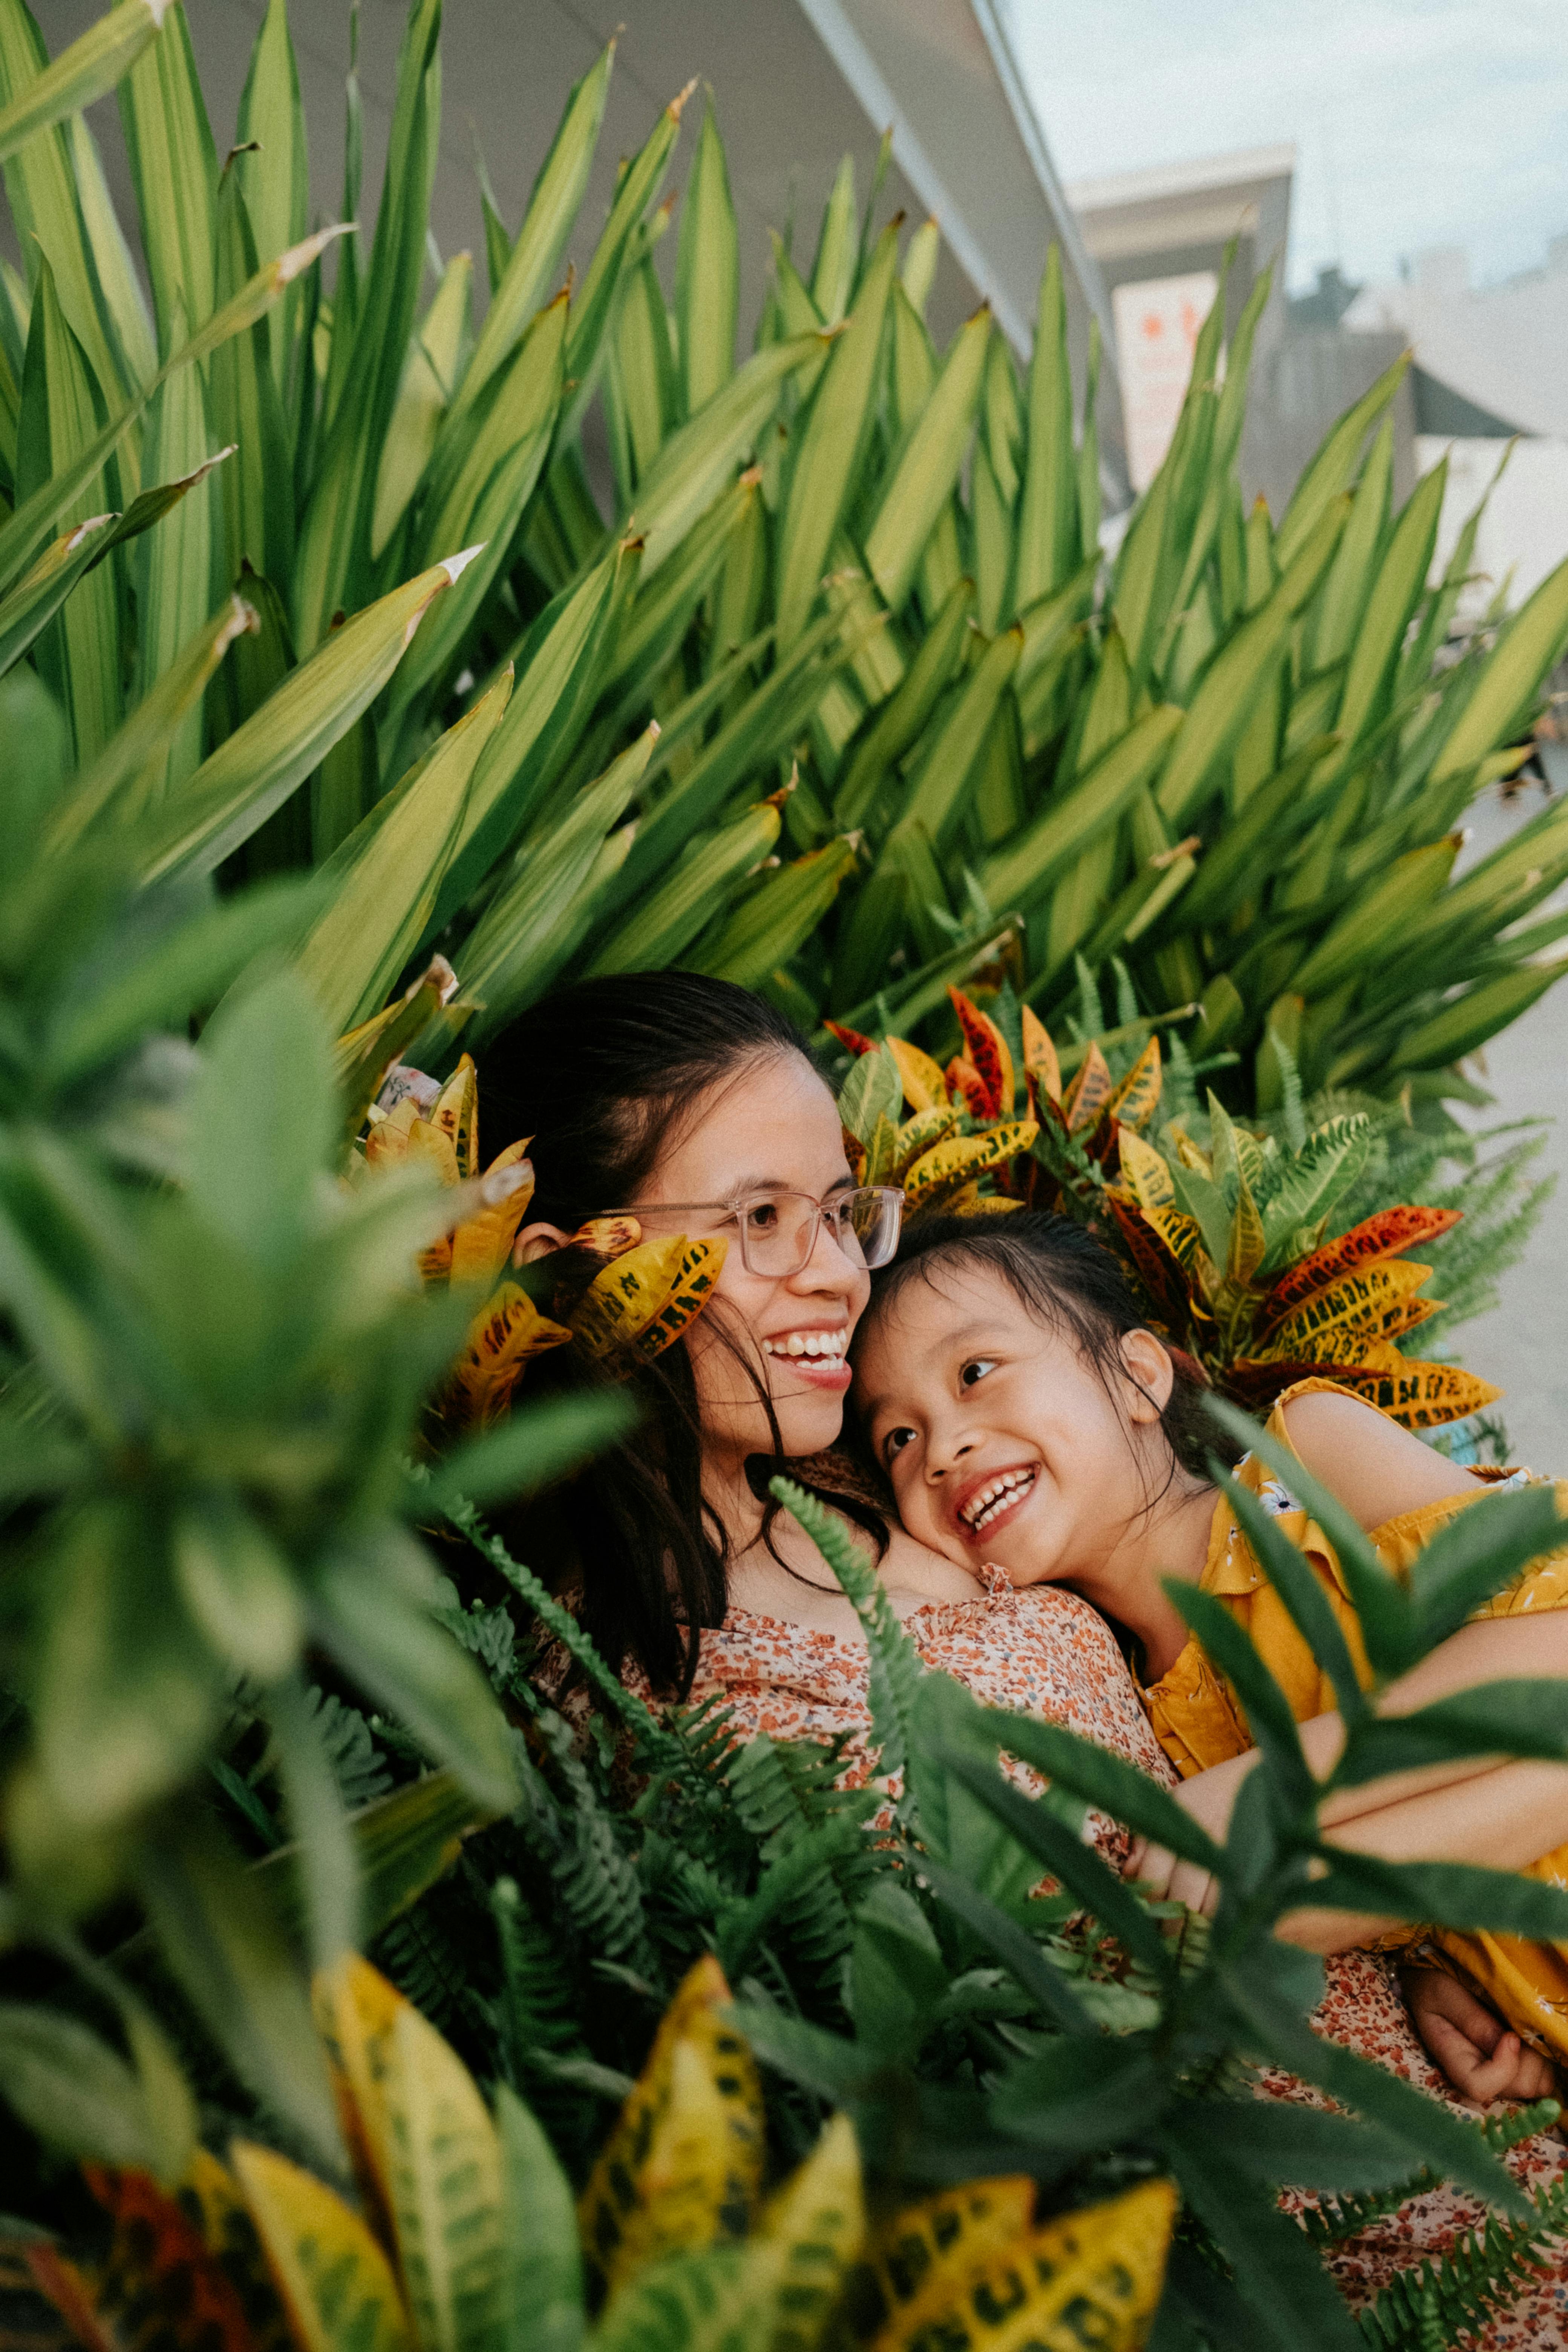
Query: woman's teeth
point(982, 1509)
point(826, 1344)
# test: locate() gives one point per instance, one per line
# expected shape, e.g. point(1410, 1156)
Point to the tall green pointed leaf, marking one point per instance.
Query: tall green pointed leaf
point(832, 271)
point(255, 770)
point(952, 749)
point(1068, 827)
point(432, 368)
point(173, 169)
point(78, 653)
point(1352, 572)
point(485, 503)
point(697, 462)
point(333, 566)
point(46, 210)
point(254, 517)
point(775, 922)
point(921, 481)
point(708, 271)
point(119, 289)
point(385, 879)
point(1401, 577)
point(28, 529)
point(91, 65)
point(830, 440)
point(1530, 645)
point(1334, 463)
point(593, 307)
point(542, 240)
point(1047, 519)
point(661, 925)
point(175, 570)
point(275, 180)
point(898, 724)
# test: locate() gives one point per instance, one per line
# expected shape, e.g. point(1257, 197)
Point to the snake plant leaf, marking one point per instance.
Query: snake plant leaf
point(47, 209)
point(768, 928)
point(1016, 874)
point(936, 794)
point(1464, 1026)
point(1531, 642)
point(1234, 677)
point(1091, 495)
point(385, 879)
point(485, 502)
point(833, 270)
point(88, 69)
point(254, 508)
point(553, 207)
point(1331, 468)
point(27, 532)
point(641, 396)
point(129, 322)
point(922, 477)
point(828, 442)
point(1336, 614)
point(128, 772)
point(433, 367)
point(38, 595)
point(239, 785)
point(707, 272)
point(660, 616)
point(502, 958)
point(1047, 518)
point(898, 724)
point(175, 565)
point(662, 925)
point(699, 459)
point(173, 171)
point(332, 567)
point(593, 309)
point(274, 175)
point(1362, 933)
point(1401, 576)
point(78, 652)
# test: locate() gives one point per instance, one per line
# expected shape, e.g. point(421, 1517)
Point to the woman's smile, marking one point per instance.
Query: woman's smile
point(816, 1351)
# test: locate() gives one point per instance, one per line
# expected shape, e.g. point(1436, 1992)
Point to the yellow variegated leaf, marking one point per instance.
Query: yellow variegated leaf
point(807, 2234)
point(1371, 1304)
point(446, 2180)
point(936, 1176)
point(1145, 1171)
point(692, 2031)
point(455, 1113)
point(647, 1299)
point(1420, 1395)
point(1040, 1060)
point(334, 2279)
point(482, 1243)
point(1183, 1236)
point(975, 1203)
point(1136, 1098)
point(1246, 1239)
point(607, 1237)
point(1093, 2277)
point(356, 2009)
point(1090, 1091)
point(928, 2254)
point(1188, 1153)
point(501, 1339)
point(922, 1134)
point(925, 1089)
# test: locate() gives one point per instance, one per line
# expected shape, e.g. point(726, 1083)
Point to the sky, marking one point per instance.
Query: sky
point(1416, 123)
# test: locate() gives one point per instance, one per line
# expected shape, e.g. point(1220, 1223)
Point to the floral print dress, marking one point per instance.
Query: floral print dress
point(1044, 1651)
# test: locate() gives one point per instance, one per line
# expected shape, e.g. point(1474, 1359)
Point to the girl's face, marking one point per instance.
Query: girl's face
point(773, 1126)
point(1001, 1442)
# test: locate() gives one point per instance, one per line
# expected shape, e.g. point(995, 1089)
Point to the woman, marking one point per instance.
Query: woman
point(695, 1106)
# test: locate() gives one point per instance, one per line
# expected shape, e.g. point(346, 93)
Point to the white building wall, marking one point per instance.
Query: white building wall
point(1524, 528)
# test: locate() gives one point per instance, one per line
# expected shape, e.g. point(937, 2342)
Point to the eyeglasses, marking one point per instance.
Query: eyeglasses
point(778, 1230)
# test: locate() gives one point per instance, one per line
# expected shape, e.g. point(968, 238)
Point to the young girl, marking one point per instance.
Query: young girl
point(1026, 1420)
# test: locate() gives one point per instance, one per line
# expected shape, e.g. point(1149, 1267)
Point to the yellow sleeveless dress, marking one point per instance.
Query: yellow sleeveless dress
point(1199, 1721)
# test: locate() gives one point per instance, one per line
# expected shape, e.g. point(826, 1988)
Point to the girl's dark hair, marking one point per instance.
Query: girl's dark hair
point(1069, 1282)
point(602, 1075)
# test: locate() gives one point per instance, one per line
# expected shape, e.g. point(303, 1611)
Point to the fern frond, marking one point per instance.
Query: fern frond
point(1343, 2216)
point(357, 1765)
point(1456, 2293)
point(576, 1841)
point(896, 1664)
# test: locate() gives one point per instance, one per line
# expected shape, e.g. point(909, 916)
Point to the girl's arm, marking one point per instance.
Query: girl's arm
point(1377, 1470)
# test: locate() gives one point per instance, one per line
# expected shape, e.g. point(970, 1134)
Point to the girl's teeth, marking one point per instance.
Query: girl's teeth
point(995, 1498)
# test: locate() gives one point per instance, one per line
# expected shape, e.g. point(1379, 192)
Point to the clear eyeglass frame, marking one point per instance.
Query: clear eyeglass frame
point(864, 1220)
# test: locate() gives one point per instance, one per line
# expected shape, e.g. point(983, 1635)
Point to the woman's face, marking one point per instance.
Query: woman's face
point(1001, 1442)
point(772, 1127)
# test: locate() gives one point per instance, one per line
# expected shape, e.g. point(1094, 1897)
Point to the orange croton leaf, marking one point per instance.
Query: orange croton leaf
point(1040, 1057)
point(966, 1086)
point(987, 1050)
point(1135, 1100)
point(501, 1339)
point(1418, 1395)
point(850, 1039)
point(1089, 1092)
point(925, 1089)
point(1377, 1238)
point(1158, 1270)
point(158, 2256)
point(1373, 1304)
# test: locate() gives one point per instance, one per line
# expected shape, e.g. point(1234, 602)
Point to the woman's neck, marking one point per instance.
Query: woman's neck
point(1127, 1583)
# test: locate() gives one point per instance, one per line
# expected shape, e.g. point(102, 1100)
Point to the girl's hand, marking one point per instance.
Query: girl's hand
point(1480, 2057)
point(1209, 1797)
point(1170, 1880)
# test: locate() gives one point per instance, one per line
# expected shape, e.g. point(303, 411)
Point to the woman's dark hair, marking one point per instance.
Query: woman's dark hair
point(601, 1077)
point(1070, 1283)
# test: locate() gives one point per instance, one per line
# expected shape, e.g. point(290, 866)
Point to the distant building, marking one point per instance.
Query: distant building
point(1158, 238)
point(1490, 369)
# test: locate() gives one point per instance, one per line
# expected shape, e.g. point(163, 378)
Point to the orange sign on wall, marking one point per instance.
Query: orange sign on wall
point(1157, 323)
